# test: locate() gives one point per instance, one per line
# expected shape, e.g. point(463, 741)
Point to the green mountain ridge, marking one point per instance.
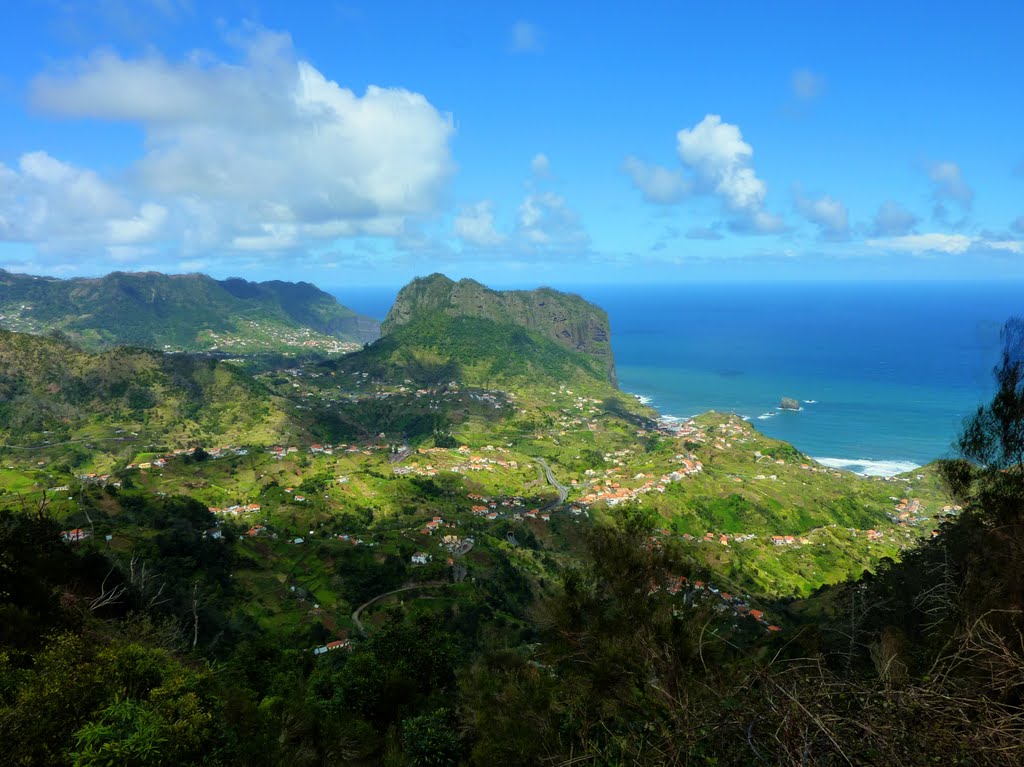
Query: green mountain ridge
point(438, 348)
point(187, 312)
point(562, 318)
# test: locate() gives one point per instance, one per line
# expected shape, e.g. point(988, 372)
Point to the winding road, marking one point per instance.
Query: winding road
point(563, 491)
point(46, 445)
point(359, 610)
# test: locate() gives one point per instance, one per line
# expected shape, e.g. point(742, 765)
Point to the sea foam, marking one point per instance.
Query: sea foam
point(869, 468)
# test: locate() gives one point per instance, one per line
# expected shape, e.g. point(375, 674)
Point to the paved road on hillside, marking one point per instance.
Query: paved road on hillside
point(563, 491)
point(69, 442)
point(359, 610)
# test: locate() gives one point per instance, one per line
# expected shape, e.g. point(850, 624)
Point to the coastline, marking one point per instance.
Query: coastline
point(865, 467)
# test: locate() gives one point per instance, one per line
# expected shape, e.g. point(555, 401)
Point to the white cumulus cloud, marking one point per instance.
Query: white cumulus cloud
point(718, 162)
point(266, 153)
point(656, 183)
point(827, 213)
point(546, 222)
point(64, 207)
point(475, 225)
point(722, 160)
point(723, 165)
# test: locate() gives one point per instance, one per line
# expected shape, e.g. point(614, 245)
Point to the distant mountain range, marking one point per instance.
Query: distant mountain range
point(89, 354)
point(187, 312)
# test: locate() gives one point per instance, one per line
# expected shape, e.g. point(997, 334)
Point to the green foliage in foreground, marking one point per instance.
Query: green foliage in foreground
point(616, 671)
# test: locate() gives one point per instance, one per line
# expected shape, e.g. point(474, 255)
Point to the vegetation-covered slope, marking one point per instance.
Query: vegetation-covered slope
point(522, 568)
point(566, 319)
point(51, 390)
point(437, 347)
point(185, 312)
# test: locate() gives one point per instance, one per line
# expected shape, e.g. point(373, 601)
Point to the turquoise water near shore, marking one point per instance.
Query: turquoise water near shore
point(886, 372)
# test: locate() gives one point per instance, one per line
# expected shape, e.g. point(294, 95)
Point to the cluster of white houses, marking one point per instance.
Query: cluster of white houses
point(513, 508)
point(98, 479)
point(613, 493)
point(470, 463)
point(236, 509)
point(213, 452)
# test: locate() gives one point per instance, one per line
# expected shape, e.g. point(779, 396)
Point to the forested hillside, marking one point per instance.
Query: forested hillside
point(190, 312)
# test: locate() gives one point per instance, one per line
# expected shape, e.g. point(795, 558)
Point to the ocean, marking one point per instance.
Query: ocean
point(885, 372)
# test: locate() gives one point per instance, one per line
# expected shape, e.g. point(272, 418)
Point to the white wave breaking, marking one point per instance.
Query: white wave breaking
point(766, 416)
point(869, 468)
point(643, 399)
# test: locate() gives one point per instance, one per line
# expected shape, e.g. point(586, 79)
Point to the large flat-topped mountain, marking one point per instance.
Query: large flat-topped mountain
point(564, 318)
point(191, 312)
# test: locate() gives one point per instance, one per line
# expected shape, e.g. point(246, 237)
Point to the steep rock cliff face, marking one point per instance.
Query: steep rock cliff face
point(567, 319)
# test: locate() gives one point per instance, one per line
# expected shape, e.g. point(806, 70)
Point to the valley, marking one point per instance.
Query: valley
point(468, 473)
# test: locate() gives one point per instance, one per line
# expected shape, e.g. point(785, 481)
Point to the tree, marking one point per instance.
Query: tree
point(431, 740)
point(988, 478)
point(993, 438)
point(126, 733)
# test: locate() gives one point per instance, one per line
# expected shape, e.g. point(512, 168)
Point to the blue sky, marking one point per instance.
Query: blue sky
point(515, 143)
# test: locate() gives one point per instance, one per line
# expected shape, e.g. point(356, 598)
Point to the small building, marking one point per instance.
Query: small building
point(420, 558)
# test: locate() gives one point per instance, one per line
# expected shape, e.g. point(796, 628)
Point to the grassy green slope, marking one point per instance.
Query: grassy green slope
point(438, 348)
point(50, 389)
point(564, 318)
